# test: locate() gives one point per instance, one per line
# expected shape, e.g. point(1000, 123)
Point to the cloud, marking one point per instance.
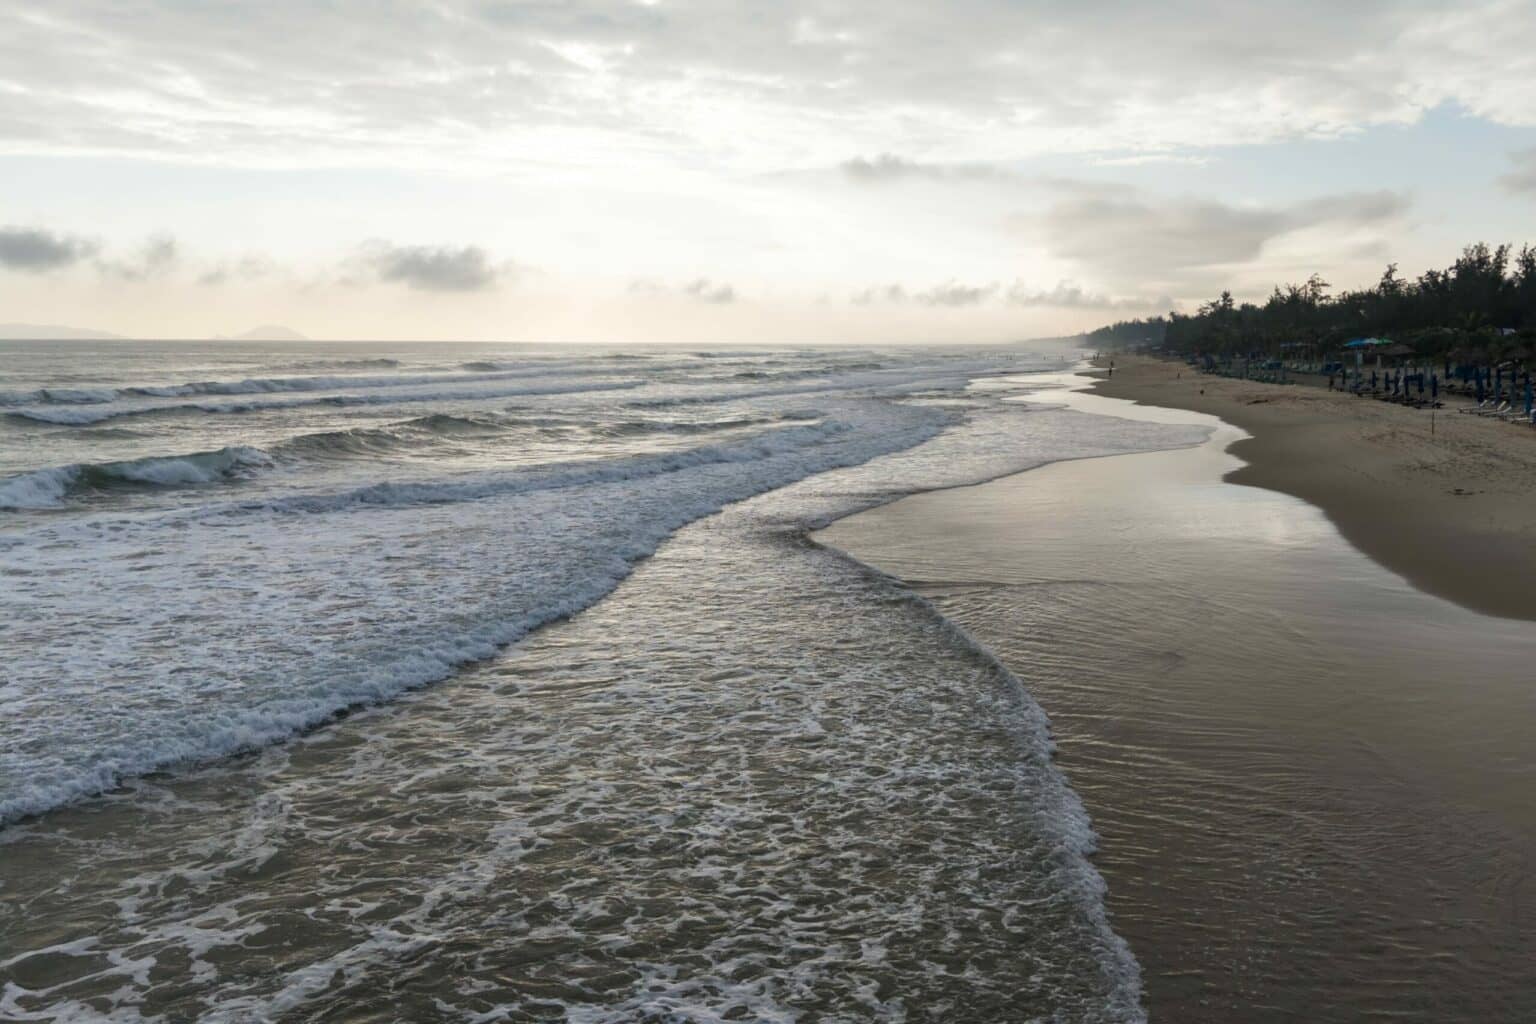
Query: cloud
point(700, 289)
point(246, 268)
point(433, 268)
point(951, 294)
point(1126, 233)
point(706, 291)
point(1146, 159)
point(156, 257)
point(1067, 295)
point(36, 251)
point(954, 294)
point(1350, 208)
point(1523, 178)
point(892, 293)
point(888, 168)
point(461, 83)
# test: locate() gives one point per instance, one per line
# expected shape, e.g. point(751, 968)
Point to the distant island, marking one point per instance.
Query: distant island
point(53, 332)
point(60, 332)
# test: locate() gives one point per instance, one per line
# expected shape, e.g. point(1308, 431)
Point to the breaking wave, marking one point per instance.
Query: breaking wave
point(49, 488)
point(615, 512)
point(79, 416)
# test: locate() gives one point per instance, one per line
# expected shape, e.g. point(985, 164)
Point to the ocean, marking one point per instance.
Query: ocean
point(474, 682)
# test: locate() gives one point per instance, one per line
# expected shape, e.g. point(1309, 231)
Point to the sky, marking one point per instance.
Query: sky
point(671, 170)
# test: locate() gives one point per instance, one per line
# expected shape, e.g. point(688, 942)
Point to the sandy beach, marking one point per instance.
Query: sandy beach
point(1310, 778)
point(1447, 501)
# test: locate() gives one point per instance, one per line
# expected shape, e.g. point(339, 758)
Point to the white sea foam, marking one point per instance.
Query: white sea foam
point(266, 385)
point(567, 550)
point(466, 373)
point(240, 619)
point(83, 415)
point(574, 530)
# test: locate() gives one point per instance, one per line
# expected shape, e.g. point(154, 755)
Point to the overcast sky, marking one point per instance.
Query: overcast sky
point(672, 170)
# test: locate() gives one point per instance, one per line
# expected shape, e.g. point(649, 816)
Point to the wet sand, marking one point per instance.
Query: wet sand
point(1311, 781)
point(1447, 501)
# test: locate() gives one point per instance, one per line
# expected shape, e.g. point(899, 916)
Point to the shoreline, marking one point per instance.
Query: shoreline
point(1255, 714)
point(1453, 512)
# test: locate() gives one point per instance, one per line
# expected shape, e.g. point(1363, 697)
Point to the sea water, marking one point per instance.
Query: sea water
point(282, 735)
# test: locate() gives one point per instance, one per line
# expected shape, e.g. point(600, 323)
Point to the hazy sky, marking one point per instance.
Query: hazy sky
point(666, 170)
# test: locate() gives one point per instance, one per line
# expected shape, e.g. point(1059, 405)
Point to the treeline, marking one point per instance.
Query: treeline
point(1483, 304)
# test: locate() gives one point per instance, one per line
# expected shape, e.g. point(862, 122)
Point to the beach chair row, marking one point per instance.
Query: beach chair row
point(1403, 396)
point(1502, 409)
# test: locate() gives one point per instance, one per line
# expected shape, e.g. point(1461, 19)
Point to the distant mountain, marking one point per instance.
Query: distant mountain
point(52, 332)
point(270, 332)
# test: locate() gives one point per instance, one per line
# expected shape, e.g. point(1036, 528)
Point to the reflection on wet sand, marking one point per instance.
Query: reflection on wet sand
point(1311, 782)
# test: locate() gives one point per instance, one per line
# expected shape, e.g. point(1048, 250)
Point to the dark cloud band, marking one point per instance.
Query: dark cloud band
point(36, 251)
